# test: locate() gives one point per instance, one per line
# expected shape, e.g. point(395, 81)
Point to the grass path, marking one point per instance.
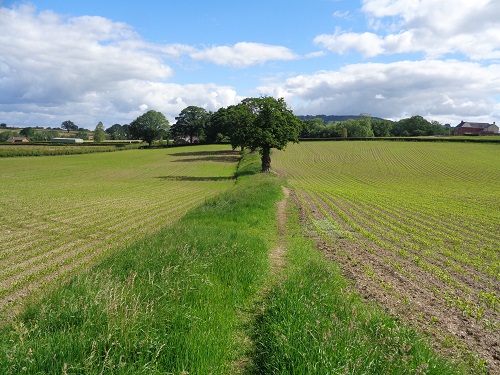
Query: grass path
point(277, 255)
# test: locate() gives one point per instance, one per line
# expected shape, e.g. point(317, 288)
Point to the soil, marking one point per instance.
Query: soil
point(277, 255)
point(409, 292)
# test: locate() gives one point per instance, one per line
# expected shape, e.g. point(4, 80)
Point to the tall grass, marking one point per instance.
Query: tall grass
point(168, 304)
point(171, 304)
point(314, 323)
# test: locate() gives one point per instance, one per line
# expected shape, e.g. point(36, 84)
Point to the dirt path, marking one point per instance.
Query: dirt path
point(277, 255)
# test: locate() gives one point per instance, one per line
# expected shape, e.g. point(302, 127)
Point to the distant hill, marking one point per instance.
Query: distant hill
point(334, 118)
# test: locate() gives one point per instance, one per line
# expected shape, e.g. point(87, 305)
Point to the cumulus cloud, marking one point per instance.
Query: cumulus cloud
point(88, 69)
point(435, 28)
point(431, 88)
point(244, 54)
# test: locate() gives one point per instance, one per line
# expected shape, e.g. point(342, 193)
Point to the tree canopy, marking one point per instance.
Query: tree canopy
point(190, 123)
point(68, 125)
point(99, 133)
point(150, 126)
point(266, 123)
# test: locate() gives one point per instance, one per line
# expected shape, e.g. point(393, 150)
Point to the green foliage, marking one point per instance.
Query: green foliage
point(265, 123)
point(381, 128)
point(28, 132)
point(82, 134)
point(60, 149)
point(191, 123)
point(4, 135)
point(416, 126)
point(118, 132)
point(99, 133)
point(149, 126)
point(69, 126)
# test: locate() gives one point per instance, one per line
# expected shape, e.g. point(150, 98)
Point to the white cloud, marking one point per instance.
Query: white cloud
point(368, 44)
point(244, 54)
point(435, 28)
point(430, 88)
point(88, 69)
point(345, 15)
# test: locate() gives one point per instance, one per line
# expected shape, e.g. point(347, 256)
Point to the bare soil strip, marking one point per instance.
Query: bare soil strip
point(277, 255)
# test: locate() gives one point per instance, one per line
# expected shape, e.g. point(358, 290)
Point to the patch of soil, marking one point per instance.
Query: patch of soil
point(277, 255)
point(407, 291)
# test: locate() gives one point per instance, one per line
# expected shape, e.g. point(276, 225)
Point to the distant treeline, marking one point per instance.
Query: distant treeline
point(365, 126)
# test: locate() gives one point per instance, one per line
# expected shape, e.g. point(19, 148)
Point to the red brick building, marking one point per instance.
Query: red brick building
point(475, 128)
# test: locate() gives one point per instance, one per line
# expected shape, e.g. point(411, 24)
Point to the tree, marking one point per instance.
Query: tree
point(8, 134)
point(68, 125)
point(99, 133)
point(217, 127)
point(273, 125)
point(27, 132)
point(116, 132)
point(413, 126)
point(190, 123)
point(150, 126)
point(381, 128)
point(83, 134)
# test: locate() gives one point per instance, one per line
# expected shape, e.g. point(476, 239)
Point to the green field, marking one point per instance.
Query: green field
point(232, 287)
point(168, 263)
point(59, 214)
point(415, 225)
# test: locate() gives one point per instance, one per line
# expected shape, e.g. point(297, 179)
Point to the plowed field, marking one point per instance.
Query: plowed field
point(416, 226)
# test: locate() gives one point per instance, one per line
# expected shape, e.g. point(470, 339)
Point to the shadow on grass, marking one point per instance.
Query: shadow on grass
point(193, 178)
point(220, 159)
point(206, 153)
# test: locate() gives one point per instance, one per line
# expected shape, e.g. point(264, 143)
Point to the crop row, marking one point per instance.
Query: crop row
point(61, 214)
point(417, 225)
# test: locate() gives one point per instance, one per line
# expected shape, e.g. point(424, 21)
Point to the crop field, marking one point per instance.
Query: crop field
point(415, 225)
point(63, 213)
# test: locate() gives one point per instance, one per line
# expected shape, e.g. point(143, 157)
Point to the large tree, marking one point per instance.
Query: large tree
point(117, 132)
point(272, 125)
point(150, 126)
point(190, 123)
point(69, 125)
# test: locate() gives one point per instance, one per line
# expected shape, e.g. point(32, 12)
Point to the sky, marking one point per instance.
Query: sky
point(111, 61)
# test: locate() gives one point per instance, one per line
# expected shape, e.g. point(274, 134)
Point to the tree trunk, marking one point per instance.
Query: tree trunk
point(266, 159)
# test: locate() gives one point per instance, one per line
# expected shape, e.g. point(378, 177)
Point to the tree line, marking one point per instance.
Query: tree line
point(366, 126)
point(259, 123)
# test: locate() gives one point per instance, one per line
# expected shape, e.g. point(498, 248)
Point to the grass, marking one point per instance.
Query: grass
point(51, 149)
point(168, 304)
point(314, 323)
point(172, 303)
point(60, 214)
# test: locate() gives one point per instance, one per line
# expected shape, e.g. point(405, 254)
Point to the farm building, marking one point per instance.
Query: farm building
point(67, 140)
point(476, 128)
point(18, 140)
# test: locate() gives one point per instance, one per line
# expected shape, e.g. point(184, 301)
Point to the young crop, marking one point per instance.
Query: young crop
point(64, 213)
point(422, 214)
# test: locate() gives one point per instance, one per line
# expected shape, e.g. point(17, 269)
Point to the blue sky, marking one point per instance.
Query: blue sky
point(111, 61)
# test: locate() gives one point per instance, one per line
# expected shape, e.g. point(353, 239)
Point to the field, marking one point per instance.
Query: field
point(64, 213)
point(47, 149)
point(416, 226)
point(232, 287)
